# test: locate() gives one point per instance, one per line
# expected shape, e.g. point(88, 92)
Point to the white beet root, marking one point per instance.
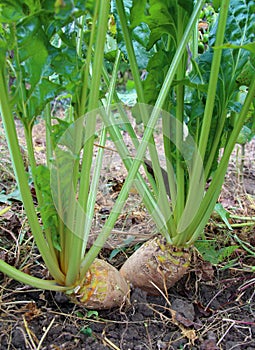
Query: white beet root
point(156, 262)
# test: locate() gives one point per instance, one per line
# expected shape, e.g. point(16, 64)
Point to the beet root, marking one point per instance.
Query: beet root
point(156, 262)
point(103, 287)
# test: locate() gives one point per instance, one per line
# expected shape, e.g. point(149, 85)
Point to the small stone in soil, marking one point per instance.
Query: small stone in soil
point(185, 308)
point(61, 298)
point(18, 339)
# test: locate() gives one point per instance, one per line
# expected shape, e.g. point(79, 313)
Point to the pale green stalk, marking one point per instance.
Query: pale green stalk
point(140, 183)
point(131, 53)
point(214, 148)
point(121, 110)
point(124, 153)
point(163, 202)
point(47, 117)
point(49, 157)
point(74, 254)
point(194, 41)
point(203, 138)
point(64, 232)
point(180, 74)
point(86, 76)
point(80, 35)
point(169, 162)
point(28, 122)
point(129, 129)
point(35, 282)
point(221, 122)
point(182, 237)
point(99, 159)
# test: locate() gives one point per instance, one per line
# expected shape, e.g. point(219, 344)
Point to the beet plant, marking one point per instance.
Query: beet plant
point(54, 51)
point(196, 100)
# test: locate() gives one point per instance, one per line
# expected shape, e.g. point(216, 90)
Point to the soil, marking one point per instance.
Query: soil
point(196, 314)
point(211, 307)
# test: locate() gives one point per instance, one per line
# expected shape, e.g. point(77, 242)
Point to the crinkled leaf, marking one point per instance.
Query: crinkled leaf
point(11, 11)
point(32, 49)
point(66, 63)
point(210, 252)
point(140, 33)
point(161, 19)
point(137, 13)
point(140, 41)
point(245, 135)
point(157, 69)
point(38, 59)
point(226, 252)
point(13, 196)
point(236, 69)
point(44, 92)
point(241, 22)
point(248, 72)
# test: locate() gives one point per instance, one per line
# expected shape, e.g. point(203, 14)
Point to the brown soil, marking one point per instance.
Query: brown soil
point(212, 307)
